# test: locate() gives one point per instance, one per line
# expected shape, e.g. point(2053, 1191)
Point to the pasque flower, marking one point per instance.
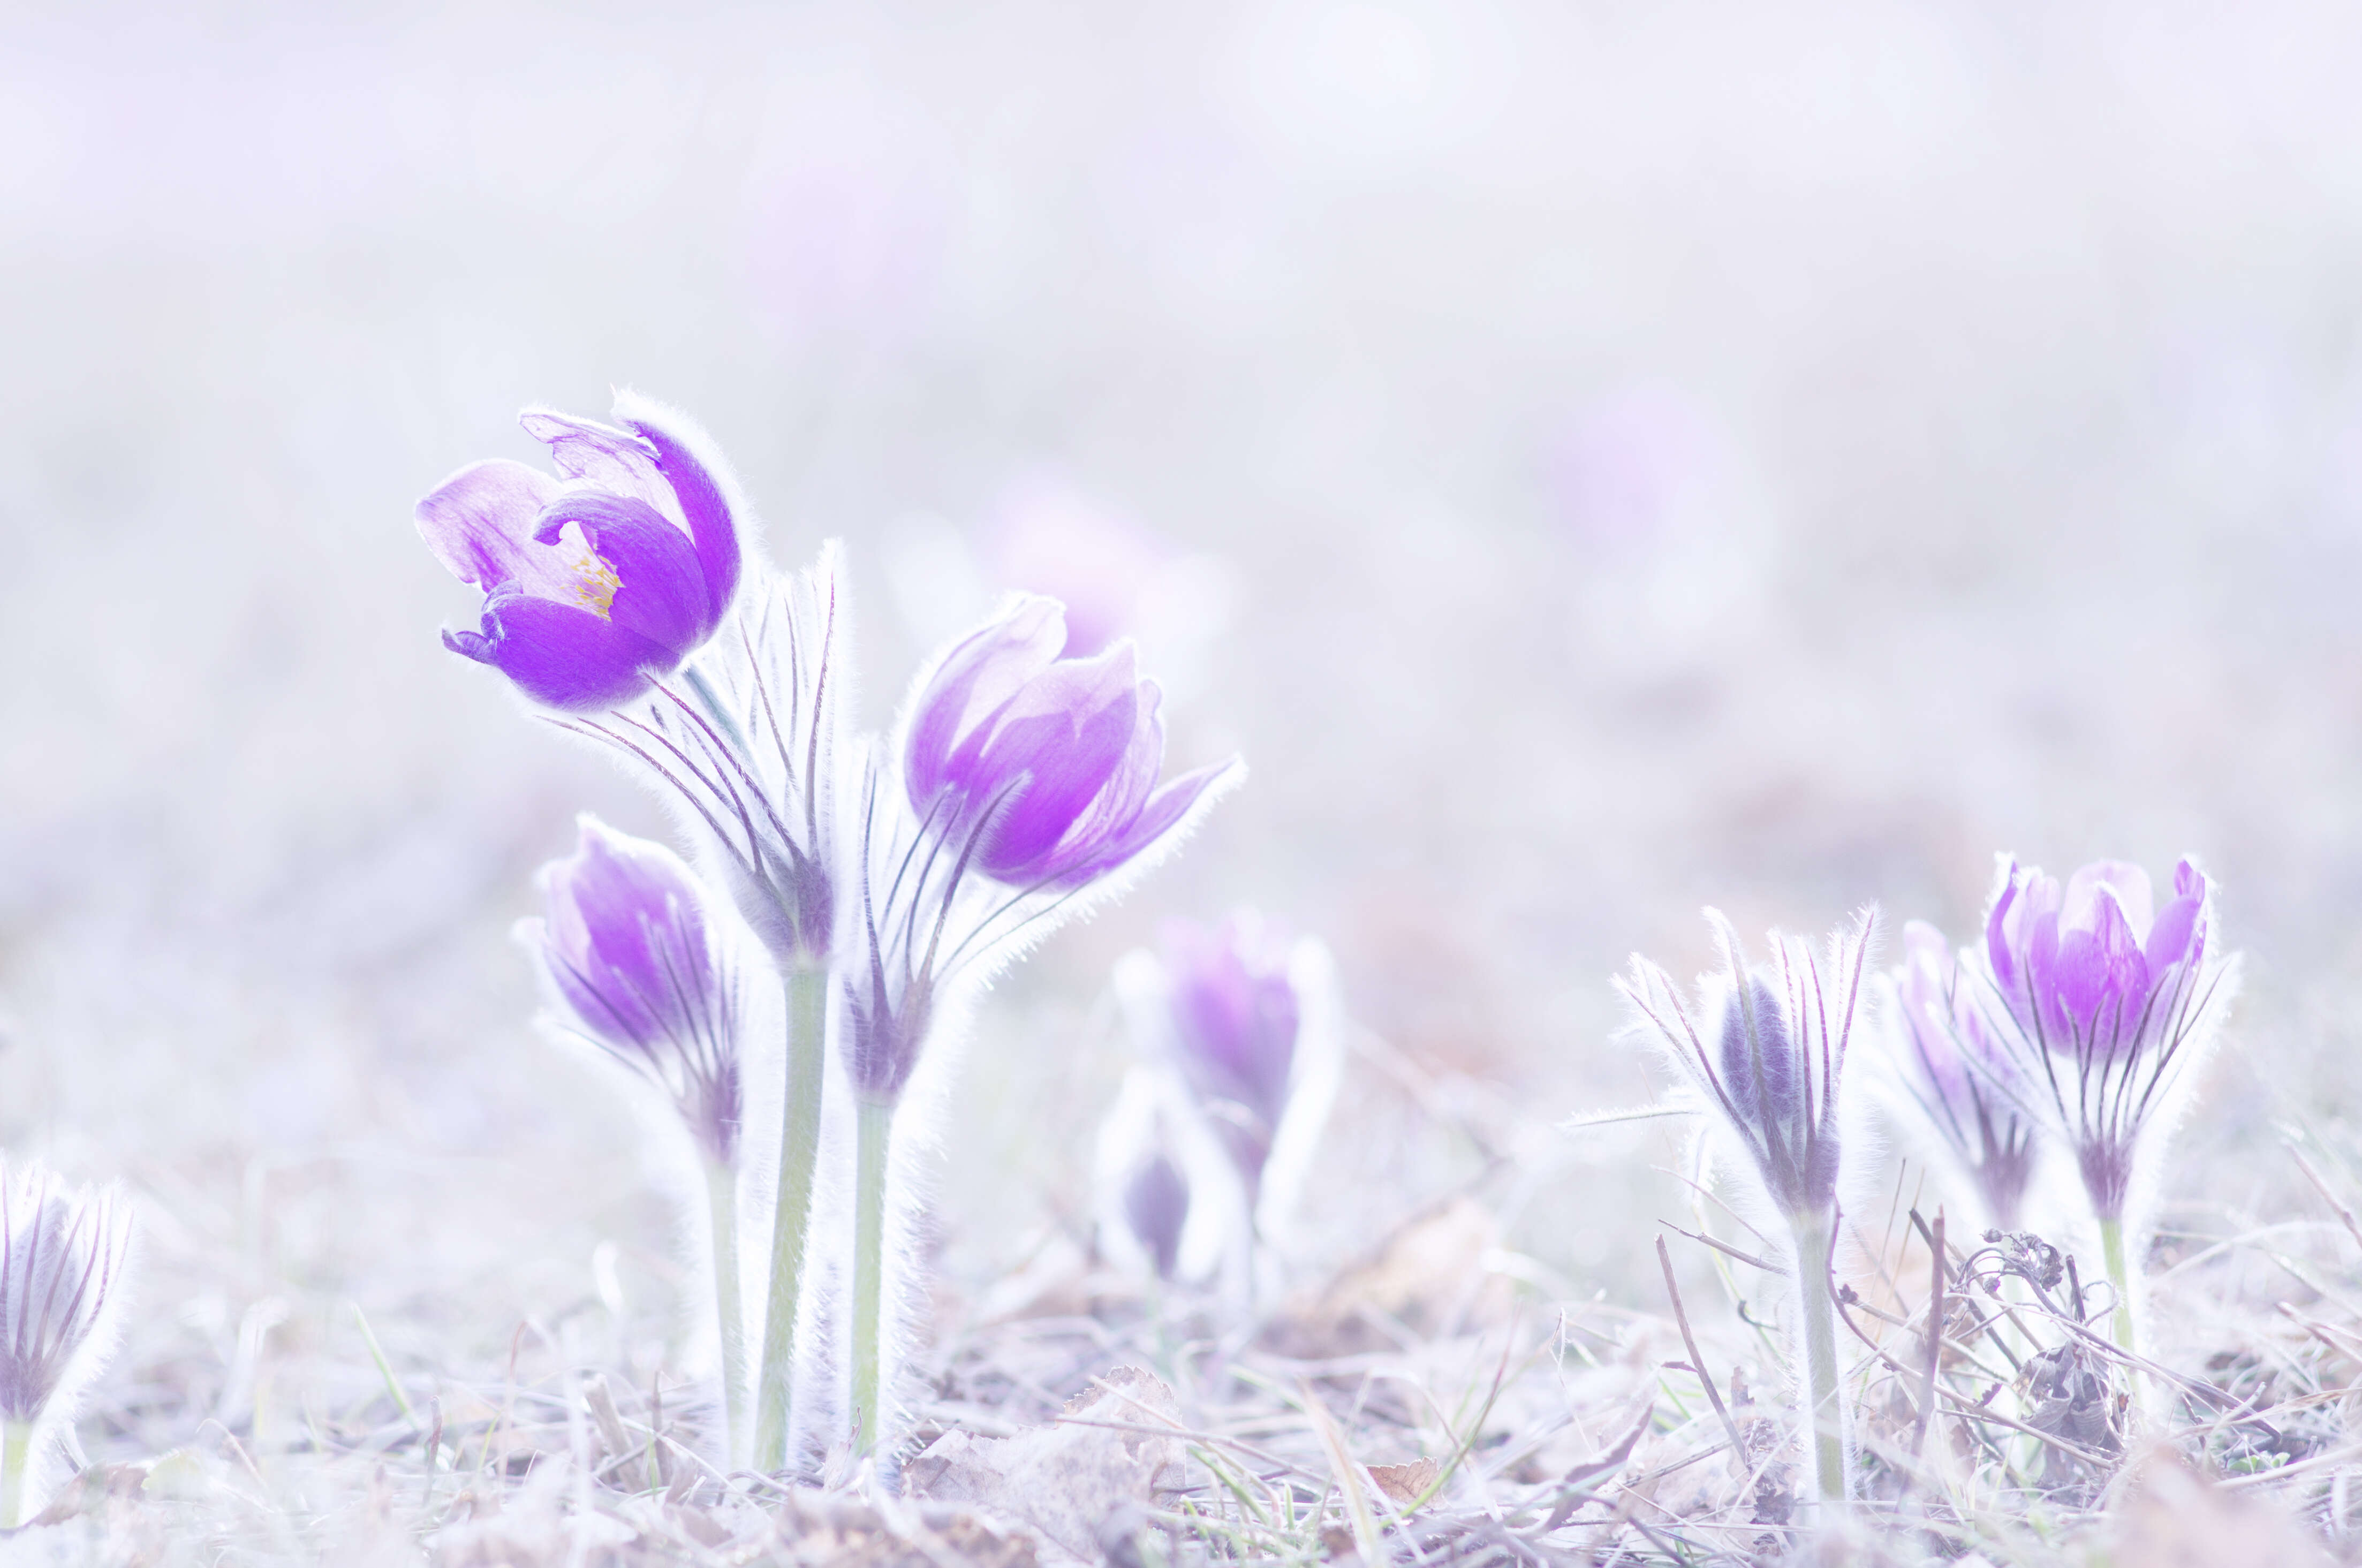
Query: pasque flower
point(1027, 782)
point(624, 945)
point(1042, 769)
point(62, 1253)
point(1764, 1050)
point(2108, 1000)
point(1953, 1078)
point(636, 969)
point(599, 579)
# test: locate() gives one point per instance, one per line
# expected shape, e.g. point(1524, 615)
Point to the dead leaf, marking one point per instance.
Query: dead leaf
point(1429, 1277)
point(1064, 1481)
point(1406, 1483)
point(2173, 1518)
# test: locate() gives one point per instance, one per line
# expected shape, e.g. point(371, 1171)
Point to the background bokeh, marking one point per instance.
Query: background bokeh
point(1594, 460)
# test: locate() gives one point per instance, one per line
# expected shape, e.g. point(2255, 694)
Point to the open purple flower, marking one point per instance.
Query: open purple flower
point(625, 947)
point(1954, 1077)
point(1235, 1022)
point(1042, 768)
point(597, 580)
point(2106, 996)
point(2106, 1001)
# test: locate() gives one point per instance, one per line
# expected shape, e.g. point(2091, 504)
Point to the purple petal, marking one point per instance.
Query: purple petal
point(712, 528)
point(1165, 811)
point(480, 524)
point(1108, 816)
point(644, 575)
point(563, 656)
point(972, 680)
point(2170, 938)
point(1067, 732)
point(1997, 947)
point(2089, 885)
point(598, 457)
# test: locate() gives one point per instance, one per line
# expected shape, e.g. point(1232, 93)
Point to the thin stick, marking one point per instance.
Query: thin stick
point(1697, 1361)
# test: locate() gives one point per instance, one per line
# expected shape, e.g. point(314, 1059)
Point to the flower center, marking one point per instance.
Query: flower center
point(595, 583)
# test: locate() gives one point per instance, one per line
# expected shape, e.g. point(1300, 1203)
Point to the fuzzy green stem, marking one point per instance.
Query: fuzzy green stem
point(730, 1306)
point(16, 1456)
point(1823, 1412)
point(2120, 1276)
point(799, 1155)
point(874, 1132)
point(2113, 1251)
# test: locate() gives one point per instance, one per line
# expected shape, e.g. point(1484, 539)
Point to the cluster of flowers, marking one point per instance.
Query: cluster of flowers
point(2076, 1024)
point(882, 877)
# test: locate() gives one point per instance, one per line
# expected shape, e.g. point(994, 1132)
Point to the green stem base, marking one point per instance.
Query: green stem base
point(873, 1138)
point(730, 1306)
point(1825, 1416)
point(15, 1458)
point(806, 989)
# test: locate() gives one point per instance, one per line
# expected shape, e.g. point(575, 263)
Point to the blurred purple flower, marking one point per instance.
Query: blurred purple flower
point(1156, 1209)
point(1028, 780)
point(1955, 1077)
point(596, 582)
point(2105, 995)
point(1776, 1058)
point(1236, 1020)
point(625, 947)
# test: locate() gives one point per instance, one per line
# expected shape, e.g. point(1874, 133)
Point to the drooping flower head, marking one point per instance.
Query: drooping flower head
point(1027, 782)
point(1042, 768)
point(1957, 1081)
point(2107, 998)
point(1235, 1023)
point(625, 945)
point(63, 1254)
point(599, 579)
point(1765, 1050)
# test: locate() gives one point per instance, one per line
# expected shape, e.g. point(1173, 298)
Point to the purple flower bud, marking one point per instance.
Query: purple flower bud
point(1953, 1076)
point(62, 1252)
point(1236, 1020)
point(1156, 1209)
point(2100, 996)
point(1044, 766)
point(596, 582)
point(626, 949)
point(1776, 1063)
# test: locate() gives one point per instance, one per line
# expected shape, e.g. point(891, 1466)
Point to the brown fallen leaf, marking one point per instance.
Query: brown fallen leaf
point(2173, 1518)
point(1064, 1481)
point(1405, 1484)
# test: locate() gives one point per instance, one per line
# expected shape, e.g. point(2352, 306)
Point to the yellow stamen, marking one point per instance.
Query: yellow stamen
point(595, 585)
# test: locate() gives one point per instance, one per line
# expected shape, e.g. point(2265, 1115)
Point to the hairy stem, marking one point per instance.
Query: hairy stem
point(15, 1454)
point(722, 1190)
point(799, 1155)
point(876, 1128)
point(1825, 1416)
point(2120, 1276)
